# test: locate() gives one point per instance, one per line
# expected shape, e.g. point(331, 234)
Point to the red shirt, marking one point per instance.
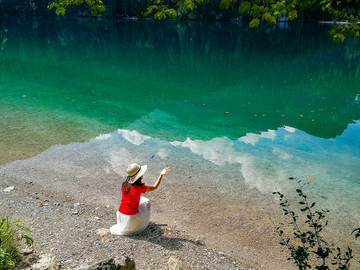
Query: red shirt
point(130, 201)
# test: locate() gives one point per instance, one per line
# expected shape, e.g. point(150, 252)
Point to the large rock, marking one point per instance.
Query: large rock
point(104, 234)
point(121, 263)
point(46, 262)
point(175, 263)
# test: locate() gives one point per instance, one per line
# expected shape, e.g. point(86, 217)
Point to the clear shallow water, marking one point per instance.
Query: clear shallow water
point(269, 104)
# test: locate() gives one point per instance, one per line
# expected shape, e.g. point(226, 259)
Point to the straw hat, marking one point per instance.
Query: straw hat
point(135, 171)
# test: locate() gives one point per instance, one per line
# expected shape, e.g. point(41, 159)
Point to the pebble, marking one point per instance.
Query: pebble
point(8, 189)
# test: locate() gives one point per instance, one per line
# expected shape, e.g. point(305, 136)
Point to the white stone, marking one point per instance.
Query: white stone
point(8, 189)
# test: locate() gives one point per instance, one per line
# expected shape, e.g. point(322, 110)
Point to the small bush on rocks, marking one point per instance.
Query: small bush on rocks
point(10, 236)
point(308, 249)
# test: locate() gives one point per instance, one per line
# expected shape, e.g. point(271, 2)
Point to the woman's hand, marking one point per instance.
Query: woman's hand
point(165, 171)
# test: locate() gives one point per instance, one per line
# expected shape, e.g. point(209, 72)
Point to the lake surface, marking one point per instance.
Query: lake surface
point(262, 105)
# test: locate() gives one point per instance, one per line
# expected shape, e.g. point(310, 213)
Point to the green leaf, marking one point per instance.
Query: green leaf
point(171, 13)
point(254, 23)
point(78, 2)
point(51, 6)
point(160, 15)
point(150, 10)
point(60, 10)
point(189, 5)
point(338, 38)
point(226, 4)
point(28, 240)
point(245, 7)
point(269, 19)
point(292, 15)
point(279, 6)
point(255, 11)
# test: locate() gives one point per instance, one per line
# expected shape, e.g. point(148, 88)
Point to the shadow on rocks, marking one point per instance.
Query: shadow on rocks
point(156, 235)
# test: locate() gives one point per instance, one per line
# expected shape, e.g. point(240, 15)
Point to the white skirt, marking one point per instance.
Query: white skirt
point(127, 225)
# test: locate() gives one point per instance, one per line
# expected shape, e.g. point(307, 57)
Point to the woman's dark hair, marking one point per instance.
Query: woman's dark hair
point(127, 186)
point(138, 182)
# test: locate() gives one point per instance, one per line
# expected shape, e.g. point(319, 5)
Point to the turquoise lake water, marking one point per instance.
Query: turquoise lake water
point(270, 103)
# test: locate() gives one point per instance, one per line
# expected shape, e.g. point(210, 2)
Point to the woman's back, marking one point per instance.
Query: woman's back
point(130, 200)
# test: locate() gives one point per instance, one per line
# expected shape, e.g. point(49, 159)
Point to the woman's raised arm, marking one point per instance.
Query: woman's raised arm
point(158, 181)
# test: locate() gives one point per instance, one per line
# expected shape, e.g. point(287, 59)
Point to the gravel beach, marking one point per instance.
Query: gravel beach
point(66, 226)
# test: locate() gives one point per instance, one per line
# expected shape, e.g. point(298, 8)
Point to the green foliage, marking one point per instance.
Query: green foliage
point(338, 38)
point(160, 10)
point(267, 11)
point(5, 260)
point(270, 11)
point(307, 247)
point(245, 7)
point(189, 5)
point(97, 7)
point(338, 31)
point(9, 241)
point(226, 4)
point(269, 19)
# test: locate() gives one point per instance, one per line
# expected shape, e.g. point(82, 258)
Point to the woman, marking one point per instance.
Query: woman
point(133, 215)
